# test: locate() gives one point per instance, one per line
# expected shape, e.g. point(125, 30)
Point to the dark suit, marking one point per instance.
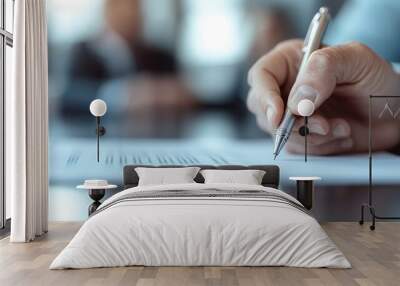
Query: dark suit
point(88, 71)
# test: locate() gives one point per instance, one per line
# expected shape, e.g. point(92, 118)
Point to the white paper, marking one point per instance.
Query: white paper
point(75, 160)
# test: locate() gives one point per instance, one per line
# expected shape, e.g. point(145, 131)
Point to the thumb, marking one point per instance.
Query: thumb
point(328, 67)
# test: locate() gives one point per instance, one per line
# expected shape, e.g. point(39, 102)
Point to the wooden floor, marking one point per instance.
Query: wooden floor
point(375, 257)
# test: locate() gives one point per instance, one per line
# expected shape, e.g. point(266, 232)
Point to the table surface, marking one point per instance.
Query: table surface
point(74, 160)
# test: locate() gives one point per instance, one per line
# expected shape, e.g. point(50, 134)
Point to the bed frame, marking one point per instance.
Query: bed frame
point(270, 179)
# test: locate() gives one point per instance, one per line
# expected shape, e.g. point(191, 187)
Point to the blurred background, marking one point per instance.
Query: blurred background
point(176, 70)
point(167, 69)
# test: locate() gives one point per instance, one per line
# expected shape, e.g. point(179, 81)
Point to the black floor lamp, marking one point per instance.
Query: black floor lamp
point(306, 109)
point(98, 108)
point(370, 205)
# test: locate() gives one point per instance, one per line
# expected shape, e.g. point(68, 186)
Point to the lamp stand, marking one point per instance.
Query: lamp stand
point(305, 137)
point(100, 131)
point(304, 131)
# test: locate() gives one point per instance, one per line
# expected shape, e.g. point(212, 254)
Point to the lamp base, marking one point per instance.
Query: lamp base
point(101, 131)
point(303, 131)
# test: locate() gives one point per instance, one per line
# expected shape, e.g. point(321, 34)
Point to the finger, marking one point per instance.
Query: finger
point(268, 75)
point(317, 124)
point(268, 103)
point(385, 136)
point(312, 139)
point(330, 148)
point(338, 129)
point(257, 104)
point(329, 67)
point(279, 63)
point(262, 122)
point(252, 101)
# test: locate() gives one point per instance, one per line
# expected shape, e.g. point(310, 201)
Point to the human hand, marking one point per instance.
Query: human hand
point(338, 79)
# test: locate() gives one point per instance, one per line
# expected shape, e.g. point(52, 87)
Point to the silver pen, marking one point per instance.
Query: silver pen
point(312, 42)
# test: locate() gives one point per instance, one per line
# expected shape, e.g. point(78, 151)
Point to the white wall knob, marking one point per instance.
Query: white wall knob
point(98, 107)
point(305, 107)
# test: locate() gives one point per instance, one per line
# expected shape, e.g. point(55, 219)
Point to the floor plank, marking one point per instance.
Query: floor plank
point(375, 257)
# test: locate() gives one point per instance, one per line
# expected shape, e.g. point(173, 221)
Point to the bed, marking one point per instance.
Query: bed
point(198, 224)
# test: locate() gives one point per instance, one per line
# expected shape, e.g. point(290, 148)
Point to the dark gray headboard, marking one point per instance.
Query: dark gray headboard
point(271, 177)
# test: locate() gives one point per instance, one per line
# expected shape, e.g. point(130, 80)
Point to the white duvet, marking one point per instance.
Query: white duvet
point(200, 231)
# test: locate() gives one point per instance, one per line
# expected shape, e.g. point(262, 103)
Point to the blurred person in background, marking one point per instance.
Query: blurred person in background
point(119, 66)
point(337, 78)
point(207, 63)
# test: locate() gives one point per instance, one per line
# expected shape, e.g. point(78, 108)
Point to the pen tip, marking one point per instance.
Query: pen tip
point(275, 156)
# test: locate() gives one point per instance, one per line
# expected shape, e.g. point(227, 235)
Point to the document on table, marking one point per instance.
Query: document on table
point(75, 160)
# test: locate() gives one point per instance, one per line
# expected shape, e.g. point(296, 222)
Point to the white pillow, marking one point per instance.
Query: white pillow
point(248, 177)
point(165, 176)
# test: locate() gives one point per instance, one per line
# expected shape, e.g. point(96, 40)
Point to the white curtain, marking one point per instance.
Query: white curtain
point(27, 123)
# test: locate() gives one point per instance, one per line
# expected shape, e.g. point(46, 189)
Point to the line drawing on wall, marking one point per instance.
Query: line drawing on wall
point(388, 109)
